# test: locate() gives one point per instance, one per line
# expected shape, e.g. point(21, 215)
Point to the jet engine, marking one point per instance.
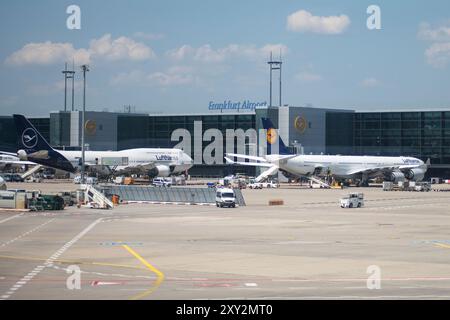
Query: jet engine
point(159, 171)
point(22, 155)
point(397, 176)
point(415, 174)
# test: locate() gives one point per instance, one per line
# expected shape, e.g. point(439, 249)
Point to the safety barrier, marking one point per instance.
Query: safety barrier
point(178, 195)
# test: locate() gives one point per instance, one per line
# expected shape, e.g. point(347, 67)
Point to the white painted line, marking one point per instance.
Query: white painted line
point(49, 261)
point(10, 218)
point(26, 233)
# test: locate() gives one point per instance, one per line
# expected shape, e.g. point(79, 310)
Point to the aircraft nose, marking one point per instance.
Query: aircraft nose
point(187, 159)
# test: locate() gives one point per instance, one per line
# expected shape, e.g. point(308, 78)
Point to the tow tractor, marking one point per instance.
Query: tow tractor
point(352, 200)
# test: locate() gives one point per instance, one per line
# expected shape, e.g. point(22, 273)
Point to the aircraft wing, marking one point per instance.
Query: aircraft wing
point(8, 153)
point(243, 156)
point(255, 158)
point(382, 169)
point(253, 164)
point(18, 162)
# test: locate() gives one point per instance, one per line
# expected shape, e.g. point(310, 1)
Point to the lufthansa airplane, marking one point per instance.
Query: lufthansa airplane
point(360, 168)
point(10, 160)
point(152, 161)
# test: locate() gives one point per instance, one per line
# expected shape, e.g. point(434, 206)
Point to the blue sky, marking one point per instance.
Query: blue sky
point(177, 56)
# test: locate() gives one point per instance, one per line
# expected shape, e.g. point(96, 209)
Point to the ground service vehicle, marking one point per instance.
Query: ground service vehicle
point(352, 200)
point(225, 197)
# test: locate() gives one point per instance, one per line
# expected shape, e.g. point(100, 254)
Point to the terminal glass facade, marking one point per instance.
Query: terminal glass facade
point(418, 134)
point(161, 128)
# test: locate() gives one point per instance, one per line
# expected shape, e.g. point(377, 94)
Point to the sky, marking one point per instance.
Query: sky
point(177, 56)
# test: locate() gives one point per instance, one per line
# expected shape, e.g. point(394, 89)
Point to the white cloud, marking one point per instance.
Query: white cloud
point(180, 53)
point(47, 53)
point(438, 54)
point(441, 33)
point(308, 77)
point(304, 21)
point(122, 48)
point(370, 83)
point(173, 76)
point(206, 53)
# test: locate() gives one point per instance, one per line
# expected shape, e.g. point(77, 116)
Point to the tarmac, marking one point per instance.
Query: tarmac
point(396, 247)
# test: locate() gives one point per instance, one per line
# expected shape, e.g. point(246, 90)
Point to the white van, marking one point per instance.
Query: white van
point(162, 182)
point(225, 197)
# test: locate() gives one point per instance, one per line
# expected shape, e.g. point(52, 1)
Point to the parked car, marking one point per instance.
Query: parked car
point(225, 198)
point(47, 175)
point(12, 177)
point(162, 182)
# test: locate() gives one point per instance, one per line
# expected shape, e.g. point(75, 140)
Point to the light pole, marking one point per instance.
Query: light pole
point(68, 75)
point(85, 69)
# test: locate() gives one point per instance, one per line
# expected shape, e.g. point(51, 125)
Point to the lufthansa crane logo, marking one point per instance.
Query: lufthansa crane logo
point(91, 127)
point(300, 124)
point(272, 136)
point(29, 138)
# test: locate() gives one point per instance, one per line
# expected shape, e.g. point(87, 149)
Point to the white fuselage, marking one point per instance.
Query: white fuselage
point(120, 160)
point(340, 166)
point(7, 161)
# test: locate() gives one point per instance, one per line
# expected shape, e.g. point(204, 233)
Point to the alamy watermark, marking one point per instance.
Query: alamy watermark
point(73, 22)
point(374, 279)
point(73, 281)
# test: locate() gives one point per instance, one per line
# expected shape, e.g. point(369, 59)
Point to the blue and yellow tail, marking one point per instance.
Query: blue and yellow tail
point(274, 139)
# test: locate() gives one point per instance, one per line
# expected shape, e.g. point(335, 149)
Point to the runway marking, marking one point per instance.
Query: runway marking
point(10, 218)
point(159, 274)
point(75, 262)
point(49, 262)
point(26, 233)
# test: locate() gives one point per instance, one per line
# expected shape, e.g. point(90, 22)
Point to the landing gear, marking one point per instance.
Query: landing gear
point(362, 184)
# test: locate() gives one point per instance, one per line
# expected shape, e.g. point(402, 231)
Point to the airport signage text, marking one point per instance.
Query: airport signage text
point(236, 105)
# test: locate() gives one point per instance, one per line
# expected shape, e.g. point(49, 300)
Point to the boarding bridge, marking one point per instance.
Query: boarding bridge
point(95, 198)
point(172, 195)
point(35, 169)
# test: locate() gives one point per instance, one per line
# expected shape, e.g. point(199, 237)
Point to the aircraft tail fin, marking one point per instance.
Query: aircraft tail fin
point(29, 138)
point(274, 139)
point(35, 148)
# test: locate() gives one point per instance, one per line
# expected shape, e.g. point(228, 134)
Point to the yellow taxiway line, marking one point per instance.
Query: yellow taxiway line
point(442, 245)
point(159, 274)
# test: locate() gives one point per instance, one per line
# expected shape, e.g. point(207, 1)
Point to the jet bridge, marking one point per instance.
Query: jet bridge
point(169, 195)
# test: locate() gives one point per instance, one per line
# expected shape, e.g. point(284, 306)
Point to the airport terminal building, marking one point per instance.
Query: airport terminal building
point(305, 129)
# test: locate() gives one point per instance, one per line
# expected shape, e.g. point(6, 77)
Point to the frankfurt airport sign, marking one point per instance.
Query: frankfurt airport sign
point(236, 105)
